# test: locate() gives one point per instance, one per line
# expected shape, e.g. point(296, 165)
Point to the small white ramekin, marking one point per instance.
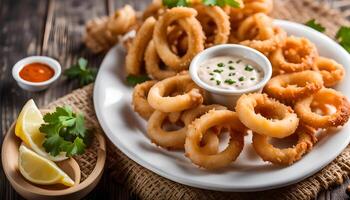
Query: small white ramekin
point(227, 97)
point(36, 86)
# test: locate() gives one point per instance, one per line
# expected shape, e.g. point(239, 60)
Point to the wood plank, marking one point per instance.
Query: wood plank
point(21, 25)
point(65, 27)
point(136, 4)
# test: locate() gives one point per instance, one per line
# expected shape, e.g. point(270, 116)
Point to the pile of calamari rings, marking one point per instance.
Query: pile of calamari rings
point(296, 102)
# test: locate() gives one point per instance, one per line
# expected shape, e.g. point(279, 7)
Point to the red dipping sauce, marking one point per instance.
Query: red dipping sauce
point(36, 72)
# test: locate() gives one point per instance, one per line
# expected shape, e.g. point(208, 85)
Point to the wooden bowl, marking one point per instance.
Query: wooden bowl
point(84, 182)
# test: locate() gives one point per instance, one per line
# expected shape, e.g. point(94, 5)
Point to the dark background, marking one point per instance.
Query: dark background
point(54, 28)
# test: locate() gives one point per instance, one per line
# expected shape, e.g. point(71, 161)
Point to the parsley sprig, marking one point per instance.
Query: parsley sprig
point(343, 37)
point(82, 72)
point(65, 131)
point(134, 80)
point(221, 3)
point(175, 3)
point(317, 26)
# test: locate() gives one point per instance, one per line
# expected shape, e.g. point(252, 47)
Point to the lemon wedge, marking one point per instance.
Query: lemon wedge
point(40, 170)
point(27, 128)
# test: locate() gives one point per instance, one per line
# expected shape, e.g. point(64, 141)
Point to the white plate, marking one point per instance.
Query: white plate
point(112, 99)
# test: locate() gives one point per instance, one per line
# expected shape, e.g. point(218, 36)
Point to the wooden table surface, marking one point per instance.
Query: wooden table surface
point(54, 28)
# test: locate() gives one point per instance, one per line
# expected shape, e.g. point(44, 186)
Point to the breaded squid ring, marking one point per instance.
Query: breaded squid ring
point(176, 139)
point(152, 63)
point(294, 86)
point(296, 54)
point(122, 20)
point(266, 116)
point(211, 119)
point(159, 99)
point(185, 17)
point(287, 156)
point(266, 38)
point(221, 20)
point(154, 9)
point(331, 71)
point(139, 99)
point(324, 96)
point(257, 6)
point(134, 58)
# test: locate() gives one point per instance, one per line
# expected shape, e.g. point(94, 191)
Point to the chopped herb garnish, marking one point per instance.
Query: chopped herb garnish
point(175, 3)
point(221, 64)
point(230, 81)
point(211, 79)
point(222, 3)
point(317, 26)
point(238, 61)
point(218, 82)
point(232, 74)
point(134, 80)
point(218, 70)
point(252, 78)
point(343, 37)
point(211, 73)
point(241, 78)
point(230, 62)
point(231, 68)
point(248, 68)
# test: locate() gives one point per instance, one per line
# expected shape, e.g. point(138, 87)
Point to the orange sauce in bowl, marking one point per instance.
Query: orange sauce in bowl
point(36, 72)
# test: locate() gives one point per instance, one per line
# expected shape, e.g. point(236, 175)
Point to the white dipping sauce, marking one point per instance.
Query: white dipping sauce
point(228, 72)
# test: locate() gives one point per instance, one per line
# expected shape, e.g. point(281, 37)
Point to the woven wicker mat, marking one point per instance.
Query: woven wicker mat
point(148, 185)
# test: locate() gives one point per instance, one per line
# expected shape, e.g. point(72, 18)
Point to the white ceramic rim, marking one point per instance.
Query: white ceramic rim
point(219, 187)
point(54, 64)
point(267, 68)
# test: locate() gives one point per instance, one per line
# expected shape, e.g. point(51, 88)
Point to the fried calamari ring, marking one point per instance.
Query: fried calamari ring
point(324, 96)
point(211, 119)
point(257, 6)
point(175, 139)
point(331, 71)
point(134, 58)
point(139, 99)
point(166, 139)
point(122, 20)
point(159, 99)
point(185, 17)
point(258, 32)
point(294, 86)
point(266, 116)
point(296, 54)
point(220, 19)
point(287, 156)
point(190, 115)
point(153, 62)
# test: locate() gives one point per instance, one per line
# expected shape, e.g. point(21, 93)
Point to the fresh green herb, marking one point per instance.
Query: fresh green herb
point(218, 82)
point(343, 37)
point(175, 3)
point(221, 3)
point(252, 78)
point(231, 74)
point(82, 72)
point(317, 26)
point(230, 81)
point(248, 68)
point(221, 64)
point(65, 131)
point(211, 79)
point(230, 62)
point(211, 73)
point(241, 78)
point(134, 80)
point(218, 70)
point(238, 61)
point(231, 68)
